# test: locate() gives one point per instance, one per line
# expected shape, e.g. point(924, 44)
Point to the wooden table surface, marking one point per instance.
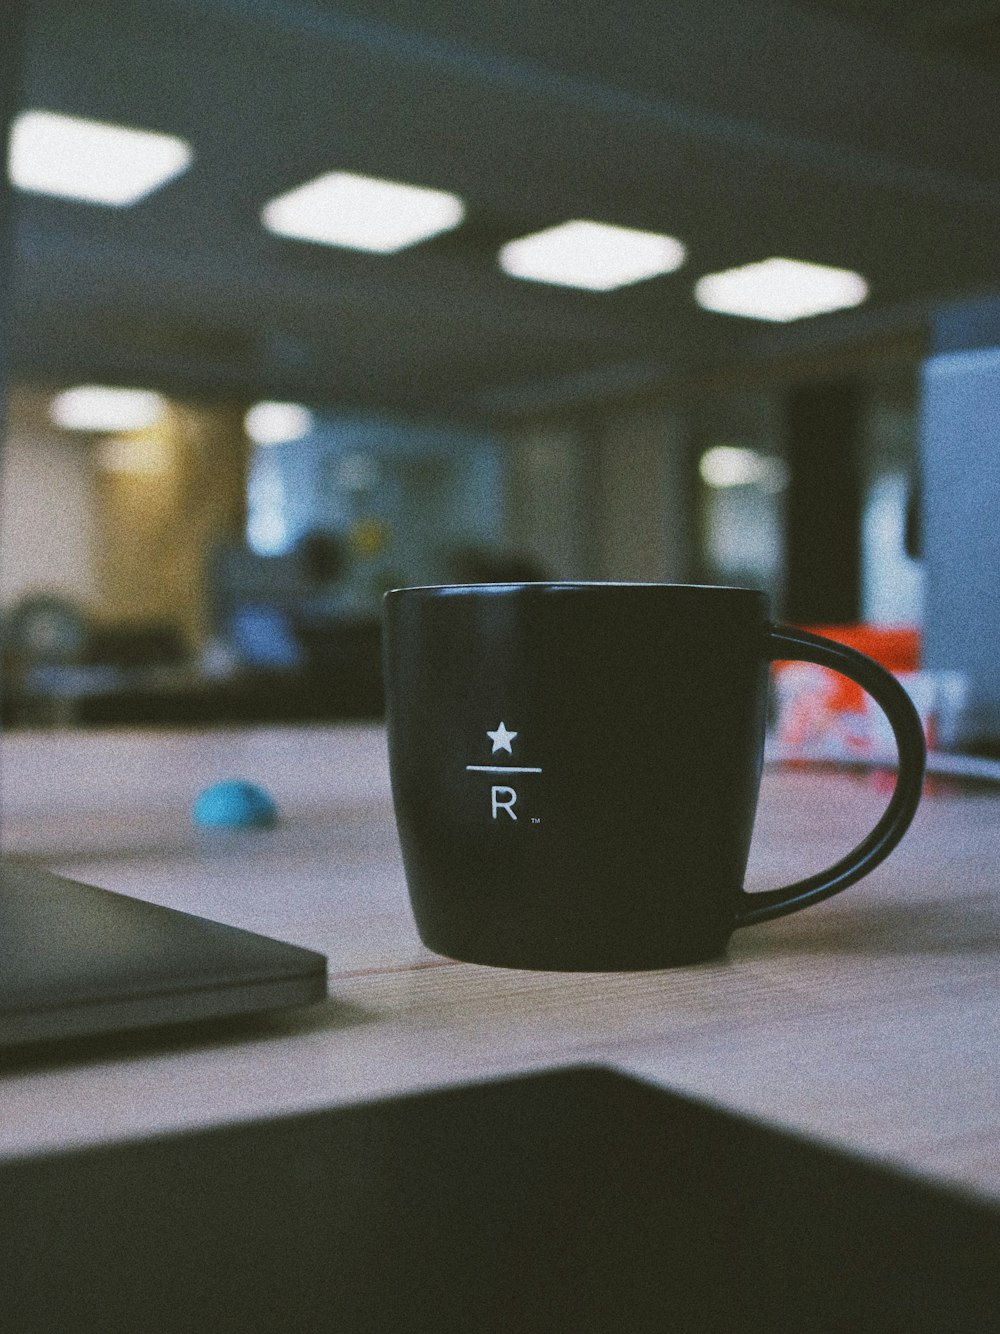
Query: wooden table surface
point(870, 1021)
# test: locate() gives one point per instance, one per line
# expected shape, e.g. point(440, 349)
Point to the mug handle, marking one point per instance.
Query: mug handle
point(786, 642)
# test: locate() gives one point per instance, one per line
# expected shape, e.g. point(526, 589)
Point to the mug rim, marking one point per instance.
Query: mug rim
point(574, 586)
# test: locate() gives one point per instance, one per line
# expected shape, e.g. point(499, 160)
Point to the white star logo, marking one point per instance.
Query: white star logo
point(501, 739)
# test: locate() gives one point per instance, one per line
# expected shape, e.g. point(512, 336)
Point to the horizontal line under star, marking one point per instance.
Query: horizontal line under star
point(503, 769)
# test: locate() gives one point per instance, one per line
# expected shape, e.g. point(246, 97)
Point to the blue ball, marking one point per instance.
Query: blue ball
point(234, 804)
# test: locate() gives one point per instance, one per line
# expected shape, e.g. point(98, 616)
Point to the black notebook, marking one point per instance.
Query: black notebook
point(575, 1202)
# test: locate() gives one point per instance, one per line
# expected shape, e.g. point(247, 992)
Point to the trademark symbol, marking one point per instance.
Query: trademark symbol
point(536, 819)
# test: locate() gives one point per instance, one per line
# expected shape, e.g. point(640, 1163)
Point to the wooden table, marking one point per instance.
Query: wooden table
point(869, 1022)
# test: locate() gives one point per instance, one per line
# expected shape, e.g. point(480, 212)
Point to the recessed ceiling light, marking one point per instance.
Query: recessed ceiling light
point(362, 213)
point(97, 407)
point(91, 160)
point(780, 290)
point(276, 423)
point(591, 255)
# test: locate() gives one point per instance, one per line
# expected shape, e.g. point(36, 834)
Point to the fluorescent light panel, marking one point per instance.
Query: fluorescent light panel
point(362, 213)
point(780, 290)
point(97, 407)
point(92, 160)
point(725, 466)
point(272, 423)
point(591, 255)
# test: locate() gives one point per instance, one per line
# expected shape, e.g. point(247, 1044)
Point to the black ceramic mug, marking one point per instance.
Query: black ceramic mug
point(575, 768)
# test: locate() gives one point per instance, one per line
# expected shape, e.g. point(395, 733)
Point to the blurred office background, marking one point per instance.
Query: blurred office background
point(404, 293)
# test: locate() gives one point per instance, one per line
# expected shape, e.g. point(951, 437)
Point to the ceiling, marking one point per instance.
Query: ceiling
point(839, 132)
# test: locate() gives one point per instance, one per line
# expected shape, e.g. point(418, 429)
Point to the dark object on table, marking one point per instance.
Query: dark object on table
point(578, 1202)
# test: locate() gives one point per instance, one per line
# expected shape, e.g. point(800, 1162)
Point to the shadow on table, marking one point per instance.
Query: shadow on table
point(166, 1039)
point(966, 926)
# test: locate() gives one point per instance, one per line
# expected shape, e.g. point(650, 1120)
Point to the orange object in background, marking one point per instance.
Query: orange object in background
point(897, 648)
point(820, 714)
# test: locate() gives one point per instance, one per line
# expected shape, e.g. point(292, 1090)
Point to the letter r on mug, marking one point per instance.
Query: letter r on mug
point(503, 799)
